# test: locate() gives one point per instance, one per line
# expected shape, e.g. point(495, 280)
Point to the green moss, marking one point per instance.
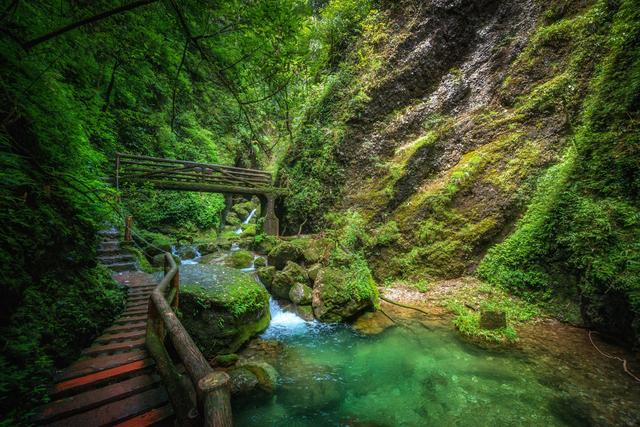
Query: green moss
point(240, 259)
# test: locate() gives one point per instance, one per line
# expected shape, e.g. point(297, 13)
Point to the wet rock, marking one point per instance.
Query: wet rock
point(223, 314)
point(266, 374)
point(266, 275)
point(339, 294)
point(493, 319)
point(260, 262)
point(285, 279)
point(304, 311)
point(300, 294)
point(243, 382)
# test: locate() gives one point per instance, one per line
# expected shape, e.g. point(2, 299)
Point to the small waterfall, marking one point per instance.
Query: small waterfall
point(194, 260)
point(284, 322)
point(246, 221)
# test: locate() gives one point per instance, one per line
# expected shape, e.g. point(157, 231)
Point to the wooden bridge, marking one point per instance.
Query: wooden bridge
point(179, 175)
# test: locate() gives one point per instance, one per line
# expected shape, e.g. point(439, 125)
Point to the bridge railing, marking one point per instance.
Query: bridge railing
point(137, 168)
point(202, 397)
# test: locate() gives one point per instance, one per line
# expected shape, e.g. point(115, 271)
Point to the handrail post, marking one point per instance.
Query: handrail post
point(128, 224)
point(175, 286)
point(214, 391)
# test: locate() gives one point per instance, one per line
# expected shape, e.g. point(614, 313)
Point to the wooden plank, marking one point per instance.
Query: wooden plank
point(130, 344)
point(223, 176)
point(84, 382)
point(118, 411)
point(121, 336)
point(93, 398)
point(154, 417)
point(213, 188)
point(98, 364)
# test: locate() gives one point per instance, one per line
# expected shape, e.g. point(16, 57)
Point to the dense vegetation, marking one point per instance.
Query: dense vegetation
point(535, 185)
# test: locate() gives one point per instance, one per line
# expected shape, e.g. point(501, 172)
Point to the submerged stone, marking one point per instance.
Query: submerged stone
point(225, 310)
point(265, 373)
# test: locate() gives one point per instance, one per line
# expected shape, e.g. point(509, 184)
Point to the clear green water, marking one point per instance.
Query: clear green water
point(331, 375)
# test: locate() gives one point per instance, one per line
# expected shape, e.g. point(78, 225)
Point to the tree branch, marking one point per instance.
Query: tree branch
point(45, 37)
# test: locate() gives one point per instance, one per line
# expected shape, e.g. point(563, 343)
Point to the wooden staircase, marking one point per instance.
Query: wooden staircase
point(115, 382)
point(112, 254)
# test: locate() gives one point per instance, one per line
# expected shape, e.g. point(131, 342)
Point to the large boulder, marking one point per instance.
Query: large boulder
point(153, 243)
point(158, 260)
point(284, 280)
point(243, 382)
point(224, 310)
point(300, 294)
point(341, 294)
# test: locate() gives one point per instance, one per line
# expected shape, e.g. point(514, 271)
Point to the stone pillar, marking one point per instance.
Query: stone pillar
point(271, 224)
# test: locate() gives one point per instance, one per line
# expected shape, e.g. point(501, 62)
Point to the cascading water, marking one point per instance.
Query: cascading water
point(189, 261)
point(246, 221)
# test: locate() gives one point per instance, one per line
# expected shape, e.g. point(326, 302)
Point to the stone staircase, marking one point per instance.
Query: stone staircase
point(112, 254)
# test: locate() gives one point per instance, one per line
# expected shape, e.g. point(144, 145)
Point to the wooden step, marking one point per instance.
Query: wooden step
point(126, 327)
point(145, 287)
point(86, 382)
point(122, 266)
point(136, 310)
point(93, 398)
point(161, 416)
point(116, 257)
point(97, 364)
point(113, 347)
point(130, 319)
point(118, 411)
point(121, 336)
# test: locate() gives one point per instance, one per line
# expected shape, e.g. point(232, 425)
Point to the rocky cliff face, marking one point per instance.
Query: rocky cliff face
point(482, 122)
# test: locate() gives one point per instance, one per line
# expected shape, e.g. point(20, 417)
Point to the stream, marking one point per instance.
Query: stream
point(424, 374)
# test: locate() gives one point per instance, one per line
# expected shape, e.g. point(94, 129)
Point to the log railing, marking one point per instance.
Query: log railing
point(137, 168)
point(201, 397)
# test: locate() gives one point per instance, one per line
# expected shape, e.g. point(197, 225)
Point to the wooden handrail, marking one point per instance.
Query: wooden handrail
point(203, 396)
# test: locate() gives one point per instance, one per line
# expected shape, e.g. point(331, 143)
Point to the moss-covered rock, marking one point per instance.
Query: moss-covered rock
point(243, 382)
point(233, 219)
point(340, 294)
point(248, 230)
point(284, 280)
point(224, 313)
point(225, 359)
point(265, 373)
point(284, 252)
point(266, 275)
point(300, 294)
point(260, 262)
point(240, 259)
